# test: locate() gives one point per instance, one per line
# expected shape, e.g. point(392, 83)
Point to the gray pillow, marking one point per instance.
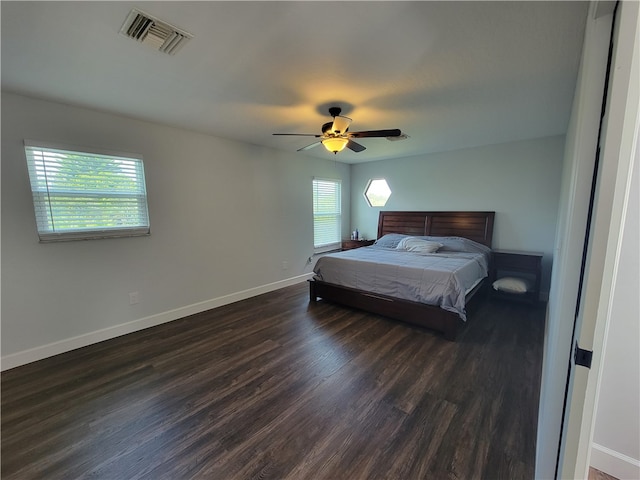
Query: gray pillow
point(390, 240)
point(459, 244)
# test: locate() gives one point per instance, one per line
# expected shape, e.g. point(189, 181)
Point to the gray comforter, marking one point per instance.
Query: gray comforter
point(441, 279)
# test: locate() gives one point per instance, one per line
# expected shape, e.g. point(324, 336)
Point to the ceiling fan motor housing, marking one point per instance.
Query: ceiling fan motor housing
point(336, 136)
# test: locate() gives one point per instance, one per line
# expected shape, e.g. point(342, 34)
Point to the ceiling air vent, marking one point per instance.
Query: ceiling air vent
point(149, 30)
point(402, 136)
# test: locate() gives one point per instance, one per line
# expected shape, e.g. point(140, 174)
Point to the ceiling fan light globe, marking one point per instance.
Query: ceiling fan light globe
point(340, 124)
point(335, 144)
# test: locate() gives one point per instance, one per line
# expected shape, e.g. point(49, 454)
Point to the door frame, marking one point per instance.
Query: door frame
point(620, 133)
point(567, 455)
point(573, 214)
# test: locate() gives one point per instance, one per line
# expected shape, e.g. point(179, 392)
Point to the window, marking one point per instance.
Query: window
point(81, 195)
point(377, 192)
point(327, 215)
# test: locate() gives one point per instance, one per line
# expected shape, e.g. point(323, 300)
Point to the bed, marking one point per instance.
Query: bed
point(360, 285)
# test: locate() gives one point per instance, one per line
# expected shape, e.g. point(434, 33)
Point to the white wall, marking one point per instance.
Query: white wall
point(224, 218)
point(520, 181)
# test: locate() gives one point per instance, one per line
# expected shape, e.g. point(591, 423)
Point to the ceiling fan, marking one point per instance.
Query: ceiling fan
point(336, 135)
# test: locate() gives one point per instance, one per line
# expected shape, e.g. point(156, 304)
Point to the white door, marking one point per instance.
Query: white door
point(619, 138)
point(573, 218)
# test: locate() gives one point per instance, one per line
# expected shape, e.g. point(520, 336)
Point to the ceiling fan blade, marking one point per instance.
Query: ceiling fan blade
point(299, 134)
point(356, 147)
point(340, 124)
point(395, 132)
point(309, 146)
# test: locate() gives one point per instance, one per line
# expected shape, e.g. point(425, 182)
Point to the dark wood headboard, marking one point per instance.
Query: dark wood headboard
point(476, 226)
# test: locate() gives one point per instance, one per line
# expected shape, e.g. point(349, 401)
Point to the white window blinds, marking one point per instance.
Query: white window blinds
point(81, 195)
point(327, 215)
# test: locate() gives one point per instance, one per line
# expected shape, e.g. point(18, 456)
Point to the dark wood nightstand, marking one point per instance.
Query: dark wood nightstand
point(351, 244)
point(511, 263)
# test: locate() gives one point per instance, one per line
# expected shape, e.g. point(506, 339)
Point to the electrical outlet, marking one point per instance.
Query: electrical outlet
point(134, 298)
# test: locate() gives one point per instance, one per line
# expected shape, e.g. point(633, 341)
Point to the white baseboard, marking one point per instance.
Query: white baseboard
point(614, 463)
point(66, 345)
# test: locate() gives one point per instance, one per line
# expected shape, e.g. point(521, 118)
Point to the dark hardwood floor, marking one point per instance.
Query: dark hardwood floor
point(595, 474)
point(277, 387)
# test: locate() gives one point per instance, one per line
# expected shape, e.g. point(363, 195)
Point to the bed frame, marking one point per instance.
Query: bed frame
point(477, 226)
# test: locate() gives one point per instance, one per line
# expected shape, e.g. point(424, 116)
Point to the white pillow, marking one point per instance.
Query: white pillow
point(418, 245)
point(512, 285)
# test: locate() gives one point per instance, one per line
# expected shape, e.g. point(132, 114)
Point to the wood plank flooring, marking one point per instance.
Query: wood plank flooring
point(595, 474)
point(275, 387)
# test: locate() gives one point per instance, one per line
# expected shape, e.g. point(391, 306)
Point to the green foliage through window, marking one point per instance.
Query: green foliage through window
point(79, 195)
point(327, 214)
point(377, 192)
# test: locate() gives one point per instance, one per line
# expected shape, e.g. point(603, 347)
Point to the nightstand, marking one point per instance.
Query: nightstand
point(351, 244)
point(524, 265)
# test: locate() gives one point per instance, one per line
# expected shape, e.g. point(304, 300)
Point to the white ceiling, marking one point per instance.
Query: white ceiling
point(448, 74)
